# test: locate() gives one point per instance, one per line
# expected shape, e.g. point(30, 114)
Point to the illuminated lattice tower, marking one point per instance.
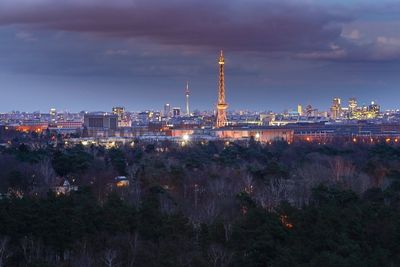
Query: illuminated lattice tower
point(221, 106)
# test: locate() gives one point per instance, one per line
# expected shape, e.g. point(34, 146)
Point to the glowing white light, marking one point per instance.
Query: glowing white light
point(185, 137)
point(257, 135)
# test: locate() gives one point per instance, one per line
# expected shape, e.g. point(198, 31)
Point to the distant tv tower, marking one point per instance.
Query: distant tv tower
point(221, 106)
point(187, 94)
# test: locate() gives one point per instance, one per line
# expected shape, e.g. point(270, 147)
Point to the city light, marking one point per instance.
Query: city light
point(185, 137)
point(199, 133)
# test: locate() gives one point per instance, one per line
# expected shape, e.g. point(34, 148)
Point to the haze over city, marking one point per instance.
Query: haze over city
point(93, 55)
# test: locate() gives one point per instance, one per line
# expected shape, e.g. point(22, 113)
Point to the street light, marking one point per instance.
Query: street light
point(185, 137)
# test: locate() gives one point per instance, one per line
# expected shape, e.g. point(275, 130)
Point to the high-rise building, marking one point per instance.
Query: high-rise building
point(352, 105)
point(119, 111)
point(366, 112)
point(100, 124)
point(221, 106)
point(187, 94)
point(336, 108)
point(176, 112)
point(300, 109)
point(167, 110)
point(101, 121)
point(123, 119)
point(309, 111)
point(374, 108)
point(53, 114)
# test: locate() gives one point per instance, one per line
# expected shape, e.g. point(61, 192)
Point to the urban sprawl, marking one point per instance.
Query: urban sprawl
point(343, 122)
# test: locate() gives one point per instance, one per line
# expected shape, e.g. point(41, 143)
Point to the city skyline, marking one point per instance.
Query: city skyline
point(97, 55)
point(346, 104)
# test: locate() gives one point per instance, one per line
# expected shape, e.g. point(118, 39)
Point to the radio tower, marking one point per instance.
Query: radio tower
point(221, 106)
point(187, 94)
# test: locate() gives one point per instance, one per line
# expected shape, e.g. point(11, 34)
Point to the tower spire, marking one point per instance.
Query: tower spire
point(187, 94)
point(221, 106)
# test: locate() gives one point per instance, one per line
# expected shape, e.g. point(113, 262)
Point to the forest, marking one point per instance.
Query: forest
point(200, 204)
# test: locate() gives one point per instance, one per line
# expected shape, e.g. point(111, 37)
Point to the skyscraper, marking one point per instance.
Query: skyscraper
point(123, 118)
point(336, 109)
point(221, 106)
point(119, 111)
point(300, 109)
point(352, 105)
point(187, 94)
point(167, 110)
point(374, 108)
point(176, 112)
point(53, 114)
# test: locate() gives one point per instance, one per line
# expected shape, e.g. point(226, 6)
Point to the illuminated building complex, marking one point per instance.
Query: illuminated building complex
point(365, 112)
point(123, 120)
point(119, 111)
point(352, 105)
point(221, 106)
point(100, 124)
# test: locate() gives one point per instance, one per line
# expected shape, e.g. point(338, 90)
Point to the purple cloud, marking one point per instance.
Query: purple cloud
point(261, 26)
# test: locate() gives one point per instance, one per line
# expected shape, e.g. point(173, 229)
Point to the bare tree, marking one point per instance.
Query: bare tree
point(314, 173)
point(274, 192)
point(219, 255)
point(340, 169)
point(110, 256)
point(209, 210)
point(133, 244)
point(31, 249)
point(135, 191)
point(307, 177)
point(4, 253)
point(82, 257)
point(47, 172)
point(227, 230)
point(167, 204)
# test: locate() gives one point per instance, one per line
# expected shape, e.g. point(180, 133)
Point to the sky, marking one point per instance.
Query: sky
point(95, 54)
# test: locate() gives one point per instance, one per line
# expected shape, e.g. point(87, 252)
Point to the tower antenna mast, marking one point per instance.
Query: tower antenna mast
point(221, 106)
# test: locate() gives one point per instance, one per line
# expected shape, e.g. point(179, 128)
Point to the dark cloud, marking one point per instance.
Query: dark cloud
point(300, 29)
point(139, 53)
point(266, 26)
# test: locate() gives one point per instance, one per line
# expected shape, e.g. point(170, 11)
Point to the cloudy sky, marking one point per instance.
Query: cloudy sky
point(94, 54)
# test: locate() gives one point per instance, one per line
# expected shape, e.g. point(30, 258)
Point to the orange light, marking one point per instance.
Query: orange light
point(285, 222)
point(122, 183)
